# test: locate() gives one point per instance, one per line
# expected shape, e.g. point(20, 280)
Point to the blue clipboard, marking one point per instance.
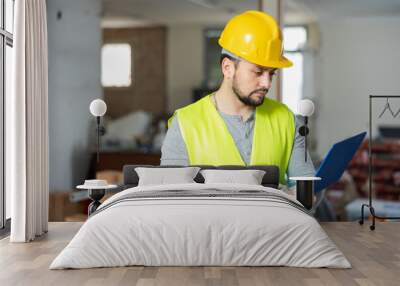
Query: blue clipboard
point(336, 161)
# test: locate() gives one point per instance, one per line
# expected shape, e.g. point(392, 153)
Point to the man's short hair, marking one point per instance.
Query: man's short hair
point(223, 56)
point(229, 55)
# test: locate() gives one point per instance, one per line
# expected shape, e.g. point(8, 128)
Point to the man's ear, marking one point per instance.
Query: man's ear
point(228, 68)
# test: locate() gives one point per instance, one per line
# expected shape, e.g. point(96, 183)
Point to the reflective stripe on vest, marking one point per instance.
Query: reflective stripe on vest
point(209, 142)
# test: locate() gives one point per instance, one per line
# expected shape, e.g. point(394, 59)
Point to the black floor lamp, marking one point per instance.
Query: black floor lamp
point(98, 108)
point(305, 185)
point(306, 109)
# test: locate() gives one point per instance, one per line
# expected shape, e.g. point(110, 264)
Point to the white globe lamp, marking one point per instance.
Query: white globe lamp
point(98, 107)
point(306, 107)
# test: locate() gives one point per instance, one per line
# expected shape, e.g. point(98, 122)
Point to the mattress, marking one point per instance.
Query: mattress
point(201, 225)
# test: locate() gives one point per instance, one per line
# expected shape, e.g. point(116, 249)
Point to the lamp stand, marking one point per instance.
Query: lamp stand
point(98, 137)
point(303, 130)
point(100, 130)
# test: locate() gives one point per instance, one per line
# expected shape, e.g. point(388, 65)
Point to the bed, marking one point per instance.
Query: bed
point(201, 223)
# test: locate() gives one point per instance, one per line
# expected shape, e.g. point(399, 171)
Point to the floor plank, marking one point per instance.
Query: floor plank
point(374, 255)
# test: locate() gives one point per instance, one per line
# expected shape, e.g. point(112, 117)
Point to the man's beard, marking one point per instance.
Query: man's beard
point(248, 100)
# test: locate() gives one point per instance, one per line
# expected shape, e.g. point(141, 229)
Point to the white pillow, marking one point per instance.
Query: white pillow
point(248, 177)
point(162, 176)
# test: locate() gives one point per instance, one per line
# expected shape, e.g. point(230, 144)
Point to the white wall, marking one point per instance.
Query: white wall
point(358, 57)
point(74, 80)
point(185, 49)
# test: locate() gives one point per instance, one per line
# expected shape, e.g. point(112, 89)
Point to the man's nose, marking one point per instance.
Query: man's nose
point(266, 80)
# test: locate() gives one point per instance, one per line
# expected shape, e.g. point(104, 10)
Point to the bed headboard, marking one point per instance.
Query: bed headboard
point(270, 179)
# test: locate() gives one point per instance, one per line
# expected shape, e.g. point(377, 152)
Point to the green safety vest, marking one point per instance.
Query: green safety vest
point(209, 142)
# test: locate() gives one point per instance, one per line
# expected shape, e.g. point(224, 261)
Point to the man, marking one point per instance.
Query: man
point(237, 124)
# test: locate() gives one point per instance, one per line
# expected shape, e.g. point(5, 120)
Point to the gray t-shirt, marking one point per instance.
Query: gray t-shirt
point(174, 152)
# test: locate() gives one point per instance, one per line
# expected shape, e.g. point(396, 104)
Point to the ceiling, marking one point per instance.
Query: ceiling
point(325, 9)
point(170, 12)
point(215, 12)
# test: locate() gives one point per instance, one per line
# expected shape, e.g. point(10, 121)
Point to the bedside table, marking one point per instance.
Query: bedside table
point(96, 191)
point(305, 190)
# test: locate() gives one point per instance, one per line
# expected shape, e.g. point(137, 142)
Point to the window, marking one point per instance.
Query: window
point(295, 39)
point(6, 44)
point(116, 65)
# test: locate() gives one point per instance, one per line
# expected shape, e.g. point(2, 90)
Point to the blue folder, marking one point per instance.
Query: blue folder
point(336, 161)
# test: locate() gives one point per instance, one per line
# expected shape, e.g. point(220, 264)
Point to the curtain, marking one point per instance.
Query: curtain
point(27, 123)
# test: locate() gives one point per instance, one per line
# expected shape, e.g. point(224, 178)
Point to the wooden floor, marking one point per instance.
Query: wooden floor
point(375, 256)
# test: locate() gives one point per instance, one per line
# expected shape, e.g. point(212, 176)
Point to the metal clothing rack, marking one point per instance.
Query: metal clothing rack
point(369, 205)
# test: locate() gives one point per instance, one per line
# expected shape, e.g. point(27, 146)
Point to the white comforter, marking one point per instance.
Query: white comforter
point(200, 231)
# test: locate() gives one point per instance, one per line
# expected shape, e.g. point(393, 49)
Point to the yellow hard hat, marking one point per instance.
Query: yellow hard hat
point(256, 37)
